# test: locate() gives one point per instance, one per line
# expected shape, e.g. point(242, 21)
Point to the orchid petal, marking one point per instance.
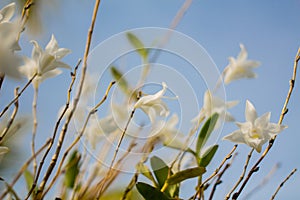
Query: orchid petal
point(250, 112)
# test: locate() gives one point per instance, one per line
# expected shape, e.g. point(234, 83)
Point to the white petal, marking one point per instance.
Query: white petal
point(243, 53)
point(250, 64)
point(150, 98)
point(59, 64)
point(275, 128)
point(52, 46)
point(62, 52)
point(36, 51)
point(45, 63)
point(235, 137)
point(250, 112)
point(263, 121)
point(230, 104)
point(47, 75)
point(3, 150)
point(7, 12)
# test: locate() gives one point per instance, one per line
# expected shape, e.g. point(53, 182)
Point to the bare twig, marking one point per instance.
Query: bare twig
point(265, 180)
point(12, 117)
point(34, 129)
point(24, 167)
point(242, 175)
point(73, 75)
point(108, 174)
point(282, 183)
point(219, 181)
point(2, 76)
point(93, 111)
point(227, 157)
point(18, 95)
point(75, 102)
point(147, 149)
point(282, 115)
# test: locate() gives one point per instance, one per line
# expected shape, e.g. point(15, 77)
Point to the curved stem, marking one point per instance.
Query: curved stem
point(34, 129)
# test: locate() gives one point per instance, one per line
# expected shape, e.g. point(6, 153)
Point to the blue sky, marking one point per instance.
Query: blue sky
point(269, 29)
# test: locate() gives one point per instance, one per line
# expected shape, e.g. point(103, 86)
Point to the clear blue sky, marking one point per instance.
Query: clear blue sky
point(269, 29)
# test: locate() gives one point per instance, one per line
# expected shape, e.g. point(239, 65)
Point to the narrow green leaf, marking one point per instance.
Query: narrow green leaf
point(118, 76)
point(186, 174)
point(72, 169)
point(205, 131)
point(208, 155)
point(161, 171)
point(28, 178)
point(149, 192)
point(143, 169)
point(136, 43)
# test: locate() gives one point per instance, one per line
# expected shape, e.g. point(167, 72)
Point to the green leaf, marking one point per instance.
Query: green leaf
point(118, 76)
point(208, 155)
point(160, 169)
point(143, 169)
point(72, 169)
point(136, 43)
point(161, 172)
point(186, 174)
point(205, 131)
point(28, 178)
point(149, 192)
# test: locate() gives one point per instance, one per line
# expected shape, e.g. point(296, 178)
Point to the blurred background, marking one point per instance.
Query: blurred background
point(269, 29)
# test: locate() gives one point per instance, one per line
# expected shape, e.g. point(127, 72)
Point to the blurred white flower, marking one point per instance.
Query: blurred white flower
point(44, 63)
point(168, 134)
point(3, 150)
point(240, 67)
point(256, 131)
point(112, 123)
point(213, 104)
point(153, 105)
point(9, 32)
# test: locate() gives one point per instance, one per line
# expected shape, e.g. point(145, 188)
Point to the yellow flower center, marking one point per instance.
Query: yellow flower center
point(255, 134)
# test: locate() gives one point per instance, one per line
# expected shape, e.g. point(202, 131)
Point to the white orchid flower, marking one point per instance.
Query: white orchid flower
point(153, 105)
point(114, 122)
point(168, 134)
point(213, 104)
point(240, 67)
point(45, 62)
point(256, 131)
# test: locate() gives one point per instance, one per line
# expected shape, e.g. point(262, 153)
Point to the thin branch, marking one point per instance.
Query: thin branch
point(265, 180)
point(101, 183)
point(282, 115)
point(282, 183)
point(73, 76)
point(219, 181)
point(2, 76)
point(227, 157)
point(76, 100)
point(18, 95)
point(242, 175)
point(93, 111)
point(34, 129)
point(12, 117)
point(146, 150)
point(24, 167)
